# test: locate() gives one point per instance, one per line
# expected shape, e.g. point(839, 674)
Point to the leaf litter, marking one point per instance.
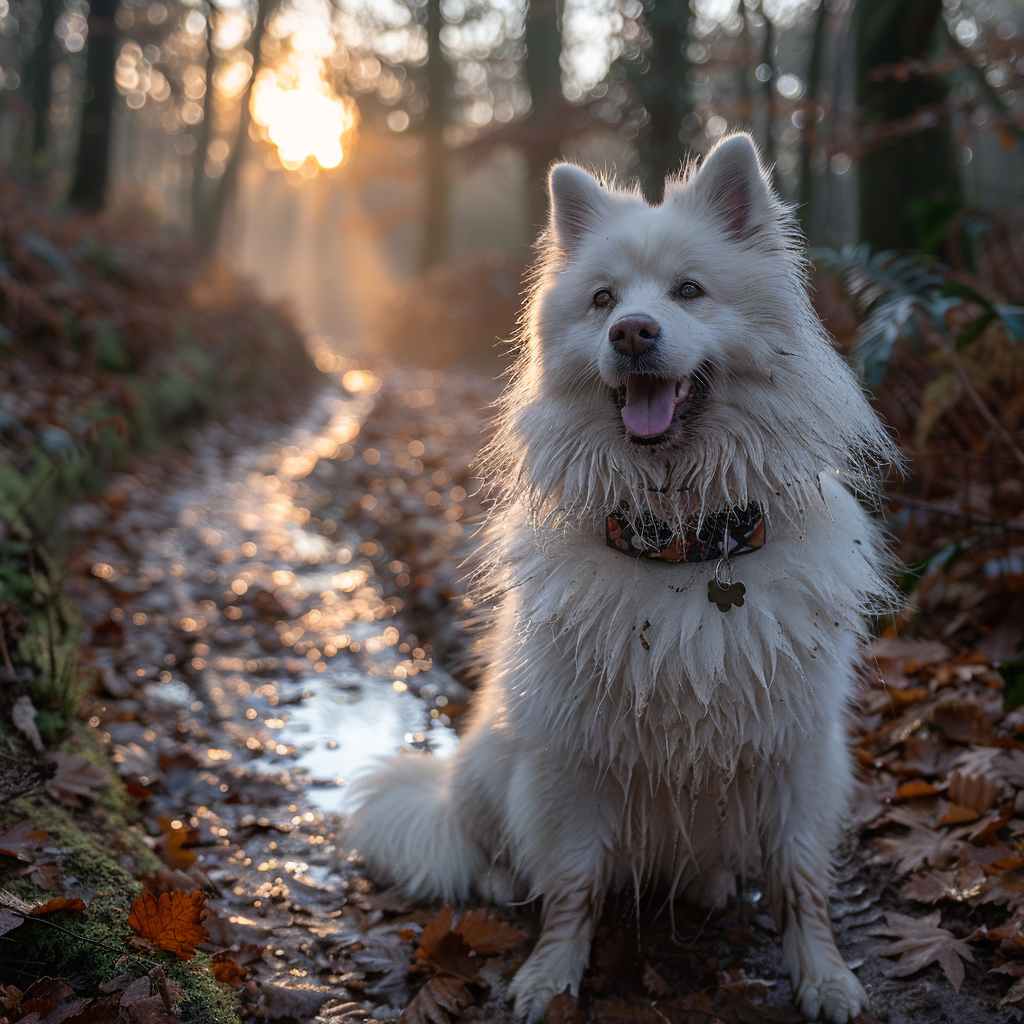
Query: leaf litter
point(321, 567)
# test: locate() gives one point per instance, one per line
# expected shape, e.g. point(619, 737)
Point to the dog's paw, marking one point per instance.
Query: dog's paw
point(532, 989)
point(838, 997)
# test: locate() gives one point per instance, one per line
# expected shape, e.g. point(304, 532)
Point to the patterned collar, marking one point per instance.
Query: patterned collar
point(733, 531)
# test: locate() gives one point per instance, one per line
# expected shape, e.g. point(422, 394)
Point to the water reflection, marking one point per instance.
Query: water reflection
point(290, 603)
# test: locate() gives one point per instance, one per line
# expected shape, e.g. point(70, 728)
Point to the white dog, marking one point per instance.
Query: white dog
point(683, 571)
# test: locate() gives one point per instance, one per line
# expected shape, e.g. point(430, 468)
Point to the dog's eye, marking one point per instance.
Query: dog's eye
point(689, 290)
point(603, 298)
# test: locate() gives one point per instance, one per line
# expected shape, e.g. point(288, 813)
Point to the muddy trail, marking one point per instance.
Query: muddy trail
point(277, 605)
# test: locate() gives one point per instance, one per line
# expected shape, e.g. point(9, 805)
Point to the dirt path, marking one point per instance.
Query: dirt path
point(276, 607)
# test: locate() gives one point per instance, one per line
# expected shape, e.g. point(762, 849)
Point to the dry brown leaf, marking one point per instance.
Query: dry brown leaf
point(76, 777)
point(1007, 888)
point(960, 883)
point(438, 926)
point(227, 970)
point(563, 1009)
point(910, 654)
point(60, 903)
point(920, 942)
point(913, 789)
point(440, 1001)
point(958, 814)
point(22, 840)
point(488, 935)
point(170, 921)
point(172, 847)
point(917, 848)
point(967, 722)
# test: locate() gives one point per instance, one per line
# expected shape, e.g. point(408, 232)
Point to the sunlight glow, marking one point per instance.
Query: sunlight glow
point(303, 120)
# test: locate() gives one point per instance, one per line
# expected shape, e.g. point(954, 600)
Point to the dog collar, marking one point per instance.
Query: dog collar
point(733, 531)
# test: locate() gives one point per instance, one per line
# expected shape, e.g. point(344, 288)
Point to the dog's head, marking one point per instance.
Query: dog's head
point(674, 346)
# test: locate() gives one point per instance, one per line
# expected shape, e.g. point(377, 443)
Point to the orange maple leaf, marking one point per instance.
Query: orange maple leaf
point(172, 921)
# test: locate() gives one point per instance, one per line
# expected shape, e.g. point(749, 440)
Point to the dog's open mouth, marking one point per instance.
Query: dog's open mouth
point(651, 405)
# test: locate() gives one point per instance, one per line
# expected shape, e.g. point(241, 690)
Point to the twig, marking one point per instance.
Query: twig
point(954, 513)
point(76, 935)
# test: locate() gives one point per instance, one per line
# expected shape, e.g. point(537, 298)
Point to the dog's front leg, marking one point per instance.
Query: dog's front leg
point(571, 910)
point(566, 841)
point(797, 878)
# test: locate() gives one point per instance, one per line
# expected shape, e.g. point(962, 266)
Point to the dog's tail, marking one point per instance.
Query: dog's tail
point(411, 833)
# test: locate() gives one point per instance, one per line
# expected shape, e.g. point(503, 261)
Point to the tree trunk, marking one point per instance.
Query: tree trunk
point(915, 167)
point(211, 225)
point(200, 182)
point(92, 165)
point(40, 74)
point(664, 92)
point(434, 246)
point(809, 135)
point(544, 80)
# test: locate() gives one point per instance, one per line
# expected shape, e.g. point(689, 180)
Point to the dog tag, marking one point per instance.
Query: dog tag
point(725, 596)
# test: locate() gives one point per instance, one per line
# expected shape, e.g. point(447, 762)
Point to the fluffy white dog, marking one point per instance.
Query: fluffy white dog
point(683, 570)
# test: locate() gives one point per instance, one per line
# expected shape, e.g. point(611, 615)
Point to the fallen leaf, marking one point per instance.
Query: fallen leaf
point(488, 935)
point(60, 903)
point(564, 1008)
point(438, 1002)
point(963, 882)
point(1007, 888)
point(228, 971)
point(922, 942)
point(22, 840)
point(918, 847)
point(23, 714)
point(298, 1001)
point(170, 921)
point(911, 655)
point(914, 788)
point(172, 845)
point(76, 777)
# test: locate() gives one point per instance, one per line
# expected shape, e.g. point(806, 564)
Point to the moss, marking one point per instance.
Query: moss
point(207, 1000)
point(89, 857)
point(92, 948)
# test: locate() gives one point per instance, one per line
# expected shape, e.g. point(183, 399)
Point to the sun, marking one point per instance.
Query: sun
point(303, 118)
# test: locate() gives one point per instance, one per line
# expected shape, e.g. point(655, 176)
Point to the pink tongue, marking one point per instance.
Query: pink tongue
point(650, 405)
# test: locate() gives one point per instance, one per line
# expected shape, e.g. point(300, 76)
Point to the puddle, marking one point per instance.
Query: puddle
point(283, 596)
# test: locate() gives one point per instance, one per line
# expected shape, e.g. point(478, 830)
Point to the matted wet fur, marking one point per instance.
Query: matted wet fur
point(628, 729)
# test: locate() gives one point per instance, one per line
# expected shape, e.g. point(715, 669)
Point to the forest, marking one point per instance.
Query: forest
point(262, 265)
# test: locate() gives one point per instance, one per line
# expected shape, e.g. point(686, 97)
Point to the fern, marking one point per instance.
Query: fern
point(889, 290)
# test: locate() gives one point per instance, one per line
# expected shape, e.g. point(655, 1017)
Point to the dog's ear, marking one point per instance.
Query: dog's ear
point(577, 203)
point(731, 182)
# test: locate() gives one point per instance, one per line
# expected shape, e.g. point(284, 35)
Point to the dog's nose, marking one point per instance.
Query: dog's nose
point(634, 335)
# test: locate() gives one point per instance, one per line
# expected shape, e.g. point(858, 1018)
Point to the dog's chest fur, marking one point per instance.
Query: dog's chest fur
point(682, 715)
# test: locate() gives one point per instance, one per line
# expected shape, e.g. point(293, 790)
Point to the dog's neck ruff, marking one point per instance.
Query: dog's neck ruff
point(729, 532)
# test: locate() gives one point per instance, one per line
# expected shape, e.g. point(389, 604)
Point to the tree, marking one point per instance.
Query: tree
point(544, 80)
point(92, 164)
point(434, 246)
point(40, 75)
point(661, 86)
point(211, 222)
point(912, 164)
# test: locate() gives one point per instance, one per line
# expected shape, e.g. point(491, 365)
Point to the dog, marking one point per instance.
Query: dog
point(683, 568)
